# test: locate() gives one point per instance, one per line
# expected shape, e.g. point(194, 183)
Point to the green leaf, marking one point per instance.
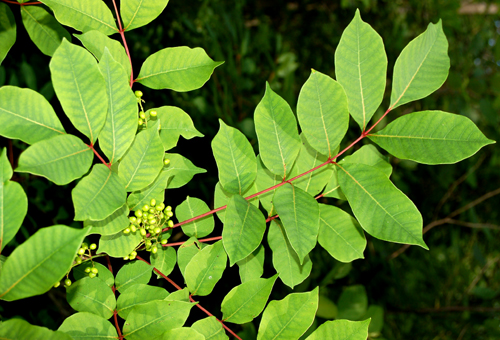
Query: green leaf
point(180, 69)
point(84, 16)
point(93, 296)
point(132, 273)
point(332, 188)
point(246, 301)
point(182, 333)
point(431, 137)
point(187, 251)
point(121, 122)
point(352, 303)
point(376, 315)
point(326, 308)
point(340, 330)
point(156, 190)
point(119, 244)
point(153, 318)
point(7, 30)
point(95, 42)
point(43, 29)
point(143, 161)
point(252, 266)
point(174, 123)
point(361, 69)
point(181, 170)
point(340, 234)
point(112, 224)
point(289, 318)
point(61, 159)
point(103, 275)
point(80, 87)
point(136, 295)
point(13, 202)
point(20, 329)
point(164, 260)
point(211, 328)
point(222, 197)
point(235, 159)
point(276, 128)
point(265, 180)
point(382, 210)
point(422, 67)
point(33, 267)
point(285, 259)
point(244, 228)
point(179, 295)
point(82, 326)
point(299, 213)
point(205, 269)
point(322, 113)
point(369, 155)
point(190, 208)
point(18, 120)
point(98, 195)
point(137, 13)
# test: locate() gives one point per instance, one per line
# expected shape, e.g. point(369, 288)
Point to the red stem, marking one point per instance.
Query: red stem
point(122, 34)
point(216, 238)
point(23, 4)
point(99, 156)
point(115, 312)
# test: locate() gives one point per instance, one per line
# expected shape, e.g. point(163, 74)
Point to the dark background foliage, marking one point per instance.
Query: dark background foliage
point(449, 292)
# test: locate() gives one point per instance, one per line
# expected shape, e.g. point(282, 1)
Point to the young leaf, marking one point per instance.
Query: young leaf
point(340, 234)
point(289, 318)
point(186, 252)
point(222, 197)
point(180, 69)
point(136, 295)
point(276, 128)
point(244, 228)
point(7, 30)
point(119, 244)
point(182, 333)
point(299, 213)
point(190, 208)
point(205, 269)
point(381, 208)
point(21, 329)
point(18, 120)
point(235, 159)
point(84, 16)
point(112, 224)
point(133, 273)
point(137, 13)
point(164, 260)
point(80, 87)
point(43, 29)
point(431, 137)
point(104, 274)
point(361, 68)
point(352, 303)
point(246, 301)
point(119, 130)
point(340, 330)
point(93, 296)
point(210, 328)
point(422, 67)
point(82, 326)
point(322, 113)
point(156, 190)
point(181, 170)
point(252, 266)
point(33, 267)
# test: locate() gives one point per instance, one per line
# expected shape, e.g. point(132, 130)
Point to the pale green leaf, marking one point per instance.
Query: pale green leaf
point(222, 197)
point(181, 170)
point(211, 328)
point(103, 275)
point(276, 128)
point(431, 137)
point(361, 69)
point(80, 87)
point(182, 333)
point(112, 224)
point(138, 294)
point(422, 67)
point(265, 180)
point(368, 154)
point(190, 208)
point(132, 273)
point(137, 13)
point(177, 68)
point(43, 29)
point(252, 266)
point(18, 120)
point(7, 30)
point(137, 199)
point(33, 267)
point(352, 303)
point(84, 326)
point(164, 260)
point(289, 318)
point(93, 296)
point(179, 295)
point(119, 244)
point(341, 330)
point(18, 329)
point(186, 252)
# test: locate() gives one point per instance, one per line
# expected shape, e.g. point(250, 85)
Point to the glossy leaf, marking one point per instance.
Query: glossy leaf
point(322, 113)
point(266, 179)
point(431, 137)
point(103, 275)
point(299, 213)
point(244, 229)
point(82, 326)
point(137, 199)
point(190, 208)
point(80, 87)
point(340, 330)
point(18, 120)
point(352, 303)
point(235, 159)
point(7, 30)
point(119, 130)
point(84, 16)
point(361, 69)
point(210, 328)
point(143, 161)
point(33, 268)
point(276, 128)
point(43, 29)
point(164, 260)
point(119, 244)
point(340, 234)
point(137, 13)
point(182, 333)
point(136, 295)
point(290, 317)
point(132, 273)
point(368, 154)
point(150, 320)
point(252, 266)
point(285, 259)
point(187, 251)
point(422, 67)
point(93, 296)
point(382, 210)
point(20, 329)
point(181, 170)
point(205, 269)
point(245, 302)
point(177, 68)
point(112, 224)
point(222, 197)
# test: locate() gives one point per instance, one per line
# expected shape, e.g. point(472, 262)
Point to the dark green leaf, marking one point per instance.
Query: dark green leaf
point(7, 30)
point(352, 303)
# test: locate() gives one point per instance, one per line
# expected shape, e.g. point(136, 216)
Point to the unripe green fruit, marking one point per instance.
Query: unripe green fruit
point(152, 210)
point(164, 241)
point(126, 231)
point(81, 251)
point(78, 260)
point(166, 161)
point(152, 221)
point(142, 115)
point(157, 230)
point(138, 213)
point(170, 223)
point(88, 269)
point(94, 270)
point(145, 215)
point(133, 228)
point(152, 202)
point(138, 94)
point(85, 246)
point(153, 113)
point(161, 216)
point(125, 258)
point(134, 253)
point(158, 208)
point(57, 284)
point(154, 250)
point(143, 232)
point(148, 243)
point(93, 246)
point(169, 213)
point(92, 275)
point(67, 282)
point(132, 219)
point(145, 207)
point(140, 122)
point(168, 208)
point(139, 221)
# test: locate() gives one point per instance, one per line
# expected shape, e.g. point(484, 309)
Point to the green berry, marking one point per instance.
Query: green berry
point(145, 207)
point(138, 213)
point(134, 254)
point(139, 220)
point(125, 258)
point(168, 208)
point(85, 246)
point(133, 228)
point(143, 232)
point(67, 282)
point(132, 219)
point(93, 246)
point(148, 243)
point(169, 213)
point(145, 215)
point(152, 210)
point(166, 161)
point(126, 231)
point(164, 241)
point(170, 223)
point(78, 260)
point(157, 230)
point(153, 113)
point(154, 250)
point(152, 202)
point(142, 115)
point(94, 270)
point(161, 216)
point(138, 94)
point(81, 251)
point(87, 270)
point(57, 284)
point(140, 122)
point(92, 275)
point(158, 208)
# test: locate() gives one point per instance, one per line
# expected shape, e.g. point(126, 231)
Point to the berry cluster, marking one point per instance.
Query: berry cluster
point(143, 119)
point(83, 254)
